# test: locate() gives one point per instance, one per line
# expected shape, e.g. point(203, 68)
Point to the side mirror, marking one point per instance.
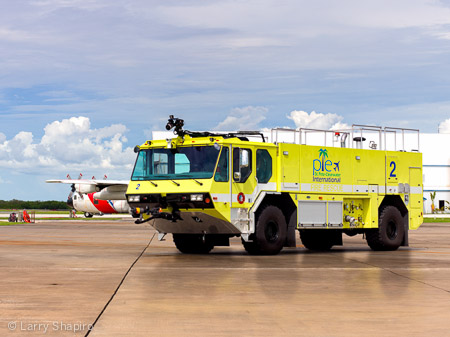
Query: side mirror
point(137, 149)
point(244, 162)
point(237, 176)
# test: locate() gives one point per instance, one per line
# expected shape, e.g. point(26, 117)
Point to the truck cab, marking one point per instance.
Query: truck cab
point(201, 187)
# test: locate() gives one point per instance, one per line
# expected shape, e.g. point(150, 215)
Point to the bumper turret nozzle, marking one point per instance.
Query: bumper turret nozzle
point(157, 213)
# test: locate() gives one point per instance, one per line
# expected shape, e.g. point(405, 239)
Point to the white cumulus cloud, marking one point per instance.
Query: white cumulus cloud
point(444, 127)
point(68, 145)
point(340, 126)
point(315, 120)
point(247, 118)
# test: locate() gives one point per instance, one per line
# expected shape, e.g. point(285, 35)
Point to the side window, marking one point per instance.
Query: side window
point(222, 166)
point(182, 163)
point(141, 168)
point(263, 166)
point(160, 163)
point(242, 164)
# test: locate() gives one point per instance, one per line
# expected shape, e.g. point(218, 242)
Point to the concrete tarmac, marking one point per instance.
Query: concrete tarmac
point(58, 277)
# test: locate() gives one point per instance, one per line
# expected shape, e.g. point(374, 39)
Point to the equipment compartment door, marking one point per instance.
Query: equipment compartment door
point(415, 183)
point(290, 167)
point(391, 169)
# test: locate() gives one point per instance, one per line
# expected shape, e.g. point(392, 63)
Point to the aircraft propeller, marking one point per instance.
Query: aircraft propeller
point(69, 198)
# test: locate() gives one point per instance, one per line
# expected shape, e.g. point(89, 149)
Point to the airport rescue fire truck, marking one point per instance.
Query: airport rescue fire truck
point(205, 188)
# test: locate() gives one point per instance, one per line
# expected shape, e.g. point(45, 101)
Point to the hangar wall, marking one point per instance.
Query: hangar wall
point(436, 168)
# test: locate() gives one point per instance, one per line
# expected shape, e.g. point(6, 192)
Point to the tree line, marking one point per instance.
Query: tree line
point(38, 204)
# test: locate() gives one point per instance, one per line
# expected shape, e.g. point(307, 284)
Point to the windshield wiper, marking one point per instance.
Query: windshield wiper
point(175, 183)
point(198, 182)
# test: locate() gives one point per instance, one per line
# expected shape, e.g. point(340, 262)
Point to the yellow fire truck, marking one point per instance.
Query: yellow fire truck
point(205, 188)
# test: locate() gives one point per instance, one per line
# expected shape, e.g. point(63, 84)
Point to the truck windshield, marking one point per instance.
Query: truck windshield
point(197, 162)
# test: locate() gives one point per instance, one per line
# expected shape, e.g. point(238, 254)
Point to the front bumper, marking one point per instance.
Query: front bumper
point(195, 223)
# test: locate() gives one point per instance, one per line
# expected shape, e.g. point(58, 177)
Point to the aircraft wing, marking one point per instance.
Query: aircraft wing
point(102, 189)
point(95, 182)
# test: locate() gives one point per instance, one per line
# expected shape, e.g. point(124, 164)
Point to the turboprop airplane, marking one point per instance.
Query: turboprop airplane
point(96, 196)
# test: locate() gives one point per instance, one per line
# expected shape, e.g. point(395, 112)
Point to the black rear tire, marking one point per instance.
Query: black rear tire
point(270, 233)
point(317, 239)
point(390, 232)
point(193, 243)
point(88, 215)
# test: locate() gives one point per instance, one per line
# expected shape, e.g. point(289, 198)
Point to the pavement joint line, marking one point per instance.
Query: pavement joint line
point(403, 276)
point(118, 287)
point(294, 268)
point(411, 279)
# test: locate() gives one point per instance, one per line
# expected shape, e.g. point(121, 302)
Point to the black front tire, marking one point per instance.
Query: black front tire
point(390, 232)
point(88, 215)
point(193, 243)
point(270, 233)
point(250, 247)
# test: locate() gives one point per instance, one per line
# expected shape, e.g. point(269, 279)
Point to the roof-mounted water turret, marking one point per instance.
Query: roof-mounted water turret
point(178, 123)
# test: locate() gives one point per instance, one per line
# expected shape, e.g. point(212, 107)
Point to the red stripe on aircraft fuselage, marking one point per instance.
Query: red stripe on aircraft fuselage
point(102, 205)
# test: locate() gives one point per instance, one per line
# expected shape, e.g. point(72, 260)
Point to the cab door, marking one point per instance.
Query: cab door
point(243, 176)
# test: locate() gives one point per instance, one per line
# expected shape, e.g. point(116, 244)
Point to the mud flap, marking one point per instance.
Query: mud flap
point(405, 242)
point(291, 231)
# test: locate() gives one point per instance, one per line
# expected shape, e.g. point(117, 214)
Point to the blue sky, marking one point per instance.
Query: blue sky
point(83, 81)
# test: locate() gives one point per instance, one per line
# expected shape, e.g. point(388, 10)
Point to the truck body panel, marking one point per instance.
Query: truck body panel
point(315, 187)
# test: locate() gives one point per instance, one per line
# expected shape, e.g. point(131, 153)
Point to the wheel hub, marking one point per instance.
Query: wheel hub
point(391, 230)
point(271, 231)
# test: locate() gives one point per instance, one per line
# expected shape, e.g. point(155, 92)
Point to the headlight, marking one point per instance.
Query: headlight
point(134, 198)
point(196, 197)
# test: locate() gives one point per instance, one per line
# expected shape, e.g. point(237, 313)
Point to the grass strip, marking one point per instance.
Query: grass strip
point(80, 218)
point(7, 223)
point(37, 211)
point(435, 220)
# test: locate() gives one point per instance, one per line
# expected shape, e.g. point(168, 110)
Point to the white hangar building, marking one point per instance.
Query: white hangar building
point(435, 148)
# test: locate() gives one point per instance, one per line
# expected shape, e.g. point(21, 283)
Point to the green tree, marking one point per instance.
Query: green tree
point(324, 154)
point(432, 196)
point(38, 204)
